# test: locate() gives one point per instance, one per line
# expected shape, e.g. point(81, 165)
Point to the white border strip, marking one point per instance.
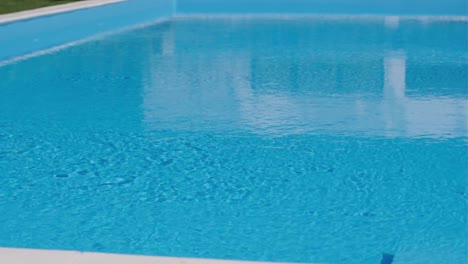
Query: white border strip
point(33, 256)
point(50, 10)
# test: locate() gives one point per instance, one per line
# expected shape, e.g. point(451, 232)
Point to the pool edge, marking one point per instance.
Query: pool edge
point(55, 9)
point(26, 256)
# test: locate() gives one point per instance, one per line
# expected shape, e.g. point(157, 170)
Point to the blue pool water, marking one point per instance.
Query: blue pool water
point(299, 139)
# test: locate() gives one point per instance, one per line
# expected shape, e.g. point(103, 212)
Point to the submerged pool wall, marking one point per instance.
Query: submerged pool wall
point(28, 36)
point(379, 7)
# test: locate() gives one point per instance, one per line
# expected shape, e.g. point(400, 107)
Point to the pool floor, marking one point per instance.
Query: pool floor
point(306, 139)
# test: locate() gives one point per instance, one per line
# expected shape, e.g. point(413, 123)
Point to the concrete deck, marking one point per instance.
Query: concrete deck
point(50, 10)
point(32, 256)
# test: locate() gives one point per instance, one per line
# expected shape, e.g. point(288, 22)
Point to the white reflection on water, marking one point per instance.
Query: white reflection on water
point(394, 92)
point(392, 21)
point(320, 92)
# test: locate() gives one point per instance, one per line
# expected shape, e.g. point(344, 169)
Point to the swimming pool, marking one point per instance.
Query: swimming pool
point(254, 137)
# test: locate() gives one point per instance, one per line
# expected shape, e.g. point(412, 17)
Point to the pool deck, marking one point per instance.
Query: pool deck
point(50, 10)
point(33, 256)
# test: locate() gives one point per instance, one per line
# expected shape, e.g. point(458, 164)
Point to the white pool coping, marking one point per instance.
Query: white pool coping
point(34, 256)
point(50, 10)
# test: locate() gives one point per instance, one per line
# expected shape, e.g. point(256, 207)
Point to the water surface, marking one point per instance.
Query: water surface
point(313, 139)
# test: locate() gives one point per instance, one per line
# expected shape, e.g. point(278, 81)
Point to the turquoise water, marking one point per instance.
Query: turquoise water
point(299, 139)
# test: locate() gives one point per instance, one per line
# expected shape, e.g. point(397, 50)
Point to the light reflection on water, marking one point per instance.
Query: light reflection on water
point(322, 78)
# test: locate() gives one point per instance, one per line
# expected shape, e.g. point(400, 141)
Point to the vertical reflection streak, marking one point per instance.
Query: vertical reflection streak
point(394, 92)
